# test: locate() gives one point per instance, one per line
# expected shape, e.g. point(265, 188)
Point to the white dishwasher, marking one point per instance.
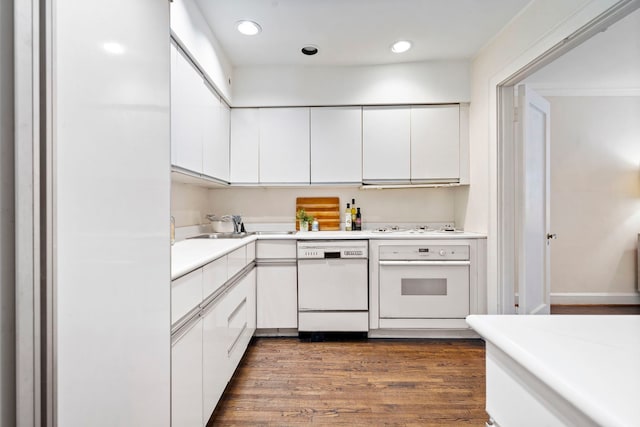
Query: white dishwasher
point(333, 286)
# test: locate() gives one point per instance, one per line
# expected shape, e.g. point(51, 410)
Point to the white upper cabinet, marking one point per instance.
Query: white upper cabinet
point(224, 142)
point(435, 143)
point(245, 142)
point(215, 136)
point(186, 104)
point(199, 122)
point(386, 144)
point(336, 145)
point(284, 145)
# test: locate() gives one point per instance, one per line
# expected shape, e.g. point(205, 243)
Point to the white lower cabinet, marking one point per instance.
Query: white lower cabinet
point(277, 295)
point(186, 294)
point(228, 325)
point(207, 349)
point(277, 284)
point(240, 306)
point(186, 376)
point(214, 357)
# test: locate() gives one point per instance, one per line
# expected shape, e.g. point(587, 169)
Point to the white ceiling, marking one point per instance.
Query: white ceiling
point(607, 63)
point(356, 32)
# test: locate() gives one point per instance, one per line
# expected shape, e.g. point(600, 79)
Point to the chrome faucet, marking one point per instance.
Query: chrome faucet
point(238, 226)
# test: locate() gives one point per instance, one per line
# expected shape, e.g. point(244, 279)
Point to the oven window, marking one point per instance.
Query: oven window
point(424, 287)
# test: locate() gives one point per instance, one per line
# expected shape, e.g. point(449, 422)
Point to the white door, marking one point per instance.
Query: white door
point(532, 142)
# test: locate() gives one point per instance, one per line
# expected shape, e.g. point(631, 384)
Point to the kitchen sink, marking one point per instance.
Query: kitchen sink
point(274, 233)
point(221, 235)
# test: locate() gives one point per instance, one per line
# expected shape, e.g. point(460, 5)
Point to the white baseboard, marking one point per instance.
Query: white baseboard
point(588, 298)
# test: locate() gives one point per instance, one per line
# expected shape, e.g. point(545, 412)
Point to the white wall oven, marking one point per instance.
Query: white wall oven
point(424, 281)
point(423, 285)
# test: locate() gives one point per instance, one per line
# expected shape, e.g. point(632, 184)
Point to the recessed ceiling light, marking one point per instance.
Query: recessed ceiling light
point(248, 28)
point(401, 46)
point(309, 50)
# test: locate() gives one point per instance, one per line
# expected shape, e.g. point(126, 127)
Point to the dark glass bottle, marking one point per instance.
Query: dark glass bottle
point(358, 220)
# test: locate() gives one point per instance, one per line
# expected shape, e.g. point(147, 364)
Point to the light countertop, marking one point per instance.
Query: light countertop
point(593, 361)
point(190, 254)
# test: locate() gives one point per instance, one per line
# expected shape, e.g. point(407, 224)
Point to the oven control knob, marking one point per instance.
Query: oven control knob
point(442, 252)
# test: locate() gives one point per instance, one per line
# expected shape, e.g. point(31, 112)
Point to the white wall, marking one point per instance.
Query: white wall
point(190, 204)
point(277, 205)
point(7, 259)
point(595, 193)
point(194, 35)
point(535, 30)
point(417, 82)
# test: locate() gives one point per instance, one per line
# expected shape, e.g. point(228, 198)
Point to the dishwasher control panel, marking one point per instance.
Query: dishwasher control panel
point(332, 249)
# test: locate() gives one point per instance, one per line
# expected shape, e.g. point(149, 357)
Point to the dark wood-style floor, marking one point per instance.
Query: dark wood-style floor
point(284, 382)
point(595, 309)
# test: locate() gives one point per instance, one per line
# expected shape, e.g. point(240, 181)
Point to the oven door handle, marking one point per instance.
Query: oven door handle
point(425, 263)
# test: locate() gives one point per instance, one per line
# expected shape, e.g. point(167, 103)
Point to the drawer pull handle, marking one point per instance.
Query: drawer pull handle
point(235, 341)
point(236, 310)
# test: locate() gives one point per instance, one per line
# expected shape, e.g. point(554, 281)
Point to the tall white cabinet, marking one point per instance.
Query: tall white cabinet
point(111, 204)
point(336, 145)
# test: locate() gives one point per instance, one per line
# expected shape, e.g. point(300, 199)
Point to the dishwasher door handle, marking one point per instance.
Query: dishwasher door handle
point(425, 263)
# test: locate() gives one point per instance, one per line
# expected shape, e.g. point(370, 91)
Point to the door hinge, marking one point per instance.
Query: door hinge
point(515, 114)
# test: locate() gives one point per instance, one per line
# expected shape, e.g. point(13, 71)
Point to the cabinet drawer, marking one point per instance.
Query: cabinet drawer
point(214, 276)
point(284, 249)
point(251, 252)
point(236, 261)
point(216, 369)
point(237, 321)
point(186, 293)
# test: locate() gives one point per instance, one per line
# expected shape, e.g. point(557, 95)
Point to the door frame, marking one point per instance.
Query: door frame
point(505, 220)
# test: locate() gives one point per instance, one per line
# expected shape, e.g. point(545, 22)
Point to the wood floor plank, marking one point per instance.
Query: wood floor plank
point(282, 381)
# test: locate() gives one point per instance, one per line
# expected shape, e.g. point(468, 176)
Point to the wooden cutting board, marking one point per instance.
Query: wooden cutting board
point(325, 209)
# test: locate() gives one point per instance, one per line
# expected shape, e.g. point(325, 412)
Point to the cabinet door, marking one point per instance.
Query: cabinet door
point(386, 144)
point(186, 104)
point(186, 294)
point(215, 151)
point(236, 261)
point(245, 138)
point(336, 144)
point(223, 164)
point(214, 275)
point(276, 249)
point(215, 364)
point(284, 145)
point(435, 143)
point(186, 378)
point(277, 296)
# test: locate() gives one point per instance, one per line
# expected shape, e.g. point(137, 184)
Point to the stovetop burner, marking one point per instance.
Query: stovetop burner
point(419, 229)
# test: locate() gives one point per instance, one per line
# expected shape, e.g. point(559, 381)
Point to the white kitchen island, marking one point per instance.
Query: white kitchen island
point(561, 370)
